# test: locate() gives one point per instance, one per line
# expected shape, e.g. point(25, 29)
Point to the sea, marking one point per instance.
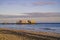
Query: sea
point(44, 27)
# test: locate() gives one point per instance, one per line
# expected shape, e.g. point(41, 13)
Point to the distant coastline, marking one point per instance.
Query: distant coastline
point(29, 23)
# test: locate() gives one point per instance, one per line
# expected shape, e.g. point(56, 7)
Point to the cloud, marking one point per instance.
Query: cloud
point(39, 17)
point(43, 14)
point(44, 3)
point(25, 3)
point(32, 15)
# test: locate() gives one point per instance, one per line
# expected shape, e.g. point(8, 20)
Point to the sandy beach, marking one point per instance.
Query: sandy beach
point(8, 34)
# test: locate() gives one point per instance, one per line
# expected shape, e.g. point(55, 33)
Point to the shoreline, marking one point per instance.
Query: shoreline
point(28, 33)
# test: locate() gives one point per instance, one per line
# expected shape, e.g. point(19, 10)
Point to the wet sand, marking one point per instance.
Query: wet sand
point(8, 34)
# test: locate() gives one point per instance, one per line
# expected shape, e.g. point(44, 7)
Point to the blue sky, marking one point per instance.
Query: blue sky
point(16, 7)
point(41, 10)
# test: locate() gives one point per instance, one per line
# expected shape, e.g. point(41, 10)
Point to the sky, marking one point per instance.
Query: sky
point(42, 10)
point(17, 7)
